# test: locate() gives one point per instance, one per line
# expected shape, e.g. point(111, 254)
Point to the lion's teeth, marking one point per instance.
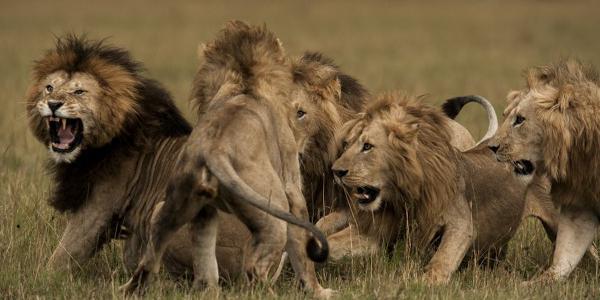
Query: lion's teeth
point(48, 122)
point(61, 146)
point(64, 123)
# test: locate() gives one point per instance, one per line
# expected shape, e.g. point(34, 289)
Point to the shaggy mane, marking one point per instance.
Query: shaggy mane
point(141, 112)
point(569, 122)
point(423, 166)
point(243, 59)
point(339, 97)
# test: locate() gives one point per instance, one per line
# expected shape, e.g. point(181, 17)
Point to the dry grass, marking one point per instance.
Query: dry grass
point(437, 48)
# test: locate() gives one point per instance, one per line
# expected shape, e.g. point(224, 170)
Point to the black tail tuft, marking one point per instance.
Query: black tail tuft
point(452, 106)
point(317, 253)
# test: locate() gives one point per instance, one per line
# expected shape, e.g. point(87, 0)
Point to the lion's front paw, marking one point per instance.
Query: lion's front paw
point(435, 277)
point(205, 285)
point(324, 293)
point(138, 282)
point(546, 277)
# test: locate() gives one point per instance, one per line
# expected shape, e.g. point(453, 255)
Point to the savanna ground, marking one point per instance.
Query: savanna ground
point(437, 48)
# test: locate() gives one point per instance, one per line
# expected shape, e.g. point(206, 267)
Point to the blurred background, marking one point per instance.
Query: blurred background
point(442, 48)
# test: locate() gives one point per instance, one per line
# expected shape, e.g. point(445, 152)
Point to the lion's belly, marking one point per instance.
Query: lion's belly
point(497, 205)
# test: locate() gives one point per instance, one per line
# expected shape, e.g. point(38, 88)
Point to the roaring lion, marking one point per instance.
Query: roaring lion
point(408, 181)
point(113, 136)
point(244, 148)
point(334, 98)
point(552, 129)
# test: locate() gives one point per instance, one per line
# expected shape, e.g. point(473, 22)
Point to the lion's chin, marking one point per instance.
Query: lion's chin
point(63, 157)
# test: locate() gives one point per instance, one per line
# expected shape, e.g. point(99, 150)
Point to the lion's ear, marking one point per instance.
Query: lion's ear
point(512, 100)
point(406, 132)
point(322, 78)
point(512, 96)
point(565, 95)
point(539, 76)
point(200, 51)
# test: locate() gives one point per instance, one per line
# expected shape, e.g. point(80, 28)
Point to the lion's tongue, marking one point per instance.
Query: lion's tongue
point(66, 135)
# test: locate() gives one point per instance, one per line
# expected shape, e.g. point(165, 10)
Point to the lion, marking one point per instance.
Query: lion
point(113, 136)
point(340, 216)
point(244, 148)
point(334, 98)
point(551, 128)
point(408, 181)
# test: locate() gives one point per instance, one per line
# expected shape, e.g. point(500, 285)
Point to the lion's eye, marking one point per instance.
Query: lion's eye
point(300, 114)
point(49, 88)
point(519, 120)
point(367, 147)
point(79, 92)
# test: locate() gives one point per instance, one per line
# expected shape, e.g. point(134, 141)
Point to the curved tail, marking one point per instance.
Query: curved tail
point(221, 168)
point(453, 106)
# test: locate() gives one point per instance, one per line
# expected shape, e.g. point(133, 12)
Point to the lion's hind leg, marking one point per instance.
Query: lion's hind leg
point(268, 233)
point(204, 240)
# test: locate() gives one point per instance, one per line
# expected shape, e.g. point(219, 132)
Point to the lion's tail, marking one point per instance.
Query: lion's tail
point(453, 106)
point(221, 168)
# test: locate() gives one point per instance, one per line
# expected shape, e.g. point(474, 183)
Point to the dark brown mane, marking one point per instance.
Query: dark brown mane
point(153, 115)
point(354, 95)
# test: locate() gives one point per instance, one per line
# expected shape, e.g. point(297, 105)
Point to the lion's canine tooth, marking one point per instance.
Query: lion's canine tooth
point(64, 123)
point(48, 122)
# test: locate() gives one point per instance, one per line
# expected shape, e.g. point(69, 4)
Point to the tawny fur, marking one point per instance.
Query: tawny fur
point(553, 124)
point(244, 148)
point(428, 188)
point(128, 151)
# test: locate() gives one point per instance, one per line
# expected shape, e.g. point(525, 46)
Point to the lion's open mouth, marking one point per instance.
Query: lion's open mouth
point(366, 194)
point(523, 167)
point(65, 134)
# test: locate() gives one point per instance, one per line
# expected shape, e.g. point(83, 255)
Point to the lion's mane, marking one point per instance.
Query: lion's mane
point(567, 108)
point(423, 168)
point(340, 97)
point(134, 109)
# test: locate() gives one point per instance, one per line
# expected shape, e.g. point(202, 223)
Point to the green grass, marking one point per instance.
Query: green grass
point(444, 49)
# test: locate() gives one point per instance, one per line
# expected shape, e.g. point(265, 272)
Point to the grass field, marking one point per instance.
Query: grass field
point(438, 48)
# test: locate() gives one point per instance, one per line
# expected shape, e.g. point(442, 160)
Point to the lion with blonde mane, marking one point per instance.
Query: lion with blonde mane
point(405, 177)
point(552, 129)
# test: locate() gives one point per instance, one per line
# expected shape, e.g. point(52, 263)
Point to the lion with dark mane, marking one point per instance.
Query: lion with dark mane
point(113, 136)
point(552, 129)
point(405, 177)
